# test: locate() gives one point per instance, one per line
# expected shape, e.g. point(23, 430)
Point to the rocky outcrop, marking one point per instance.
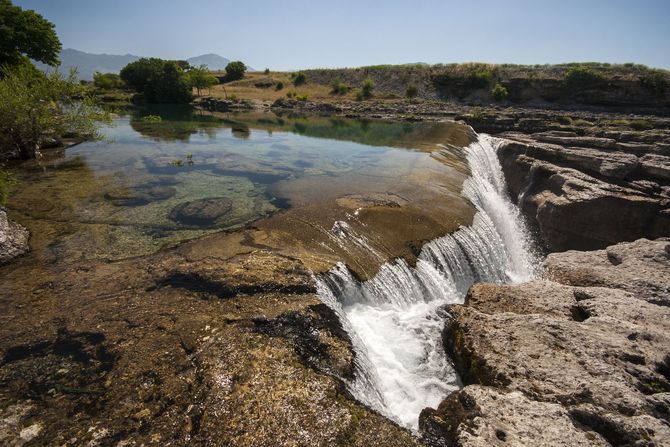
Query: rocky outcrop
point(13, 238)
point(587, 192)
point(582, 358)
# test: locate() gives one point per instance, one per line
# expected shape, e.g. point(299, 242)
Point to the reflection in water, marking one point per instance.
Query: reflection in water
point(119, 198)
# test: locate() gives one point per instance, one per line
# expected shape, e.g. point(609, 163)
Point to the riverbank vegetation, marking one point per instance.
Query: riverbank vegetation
point(38, 109)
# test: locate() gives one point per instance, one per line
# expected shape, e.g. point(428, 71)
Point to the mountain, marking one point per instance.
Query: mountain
point(213, 61)
point(89, 63)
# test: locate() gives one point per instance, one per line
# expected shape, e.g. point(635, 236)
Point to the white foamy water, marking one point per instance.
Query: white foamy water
point(394, 319)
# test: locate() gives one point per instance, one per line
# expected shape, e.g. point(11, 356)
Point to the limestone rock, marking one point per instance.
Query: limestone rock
point(585, 352)
point(13, 238)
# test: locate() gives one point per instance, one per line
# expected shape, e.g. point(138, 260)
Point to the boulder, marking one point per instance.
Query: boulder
point(13, 238)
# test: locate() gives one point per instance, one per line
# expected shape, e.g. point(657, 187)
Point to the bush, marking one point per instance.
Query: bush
point(299, 79)
point(152, 119)
point(655, 82)
point(499, 92)
point(267, 71)
point(411, 92)
point(367, 89)
point(107, 81)
point(582, 78)
point(279, 85)
point(338, 88)
point(36, 109)
point(290, 94)
point(302, 97)
point(160, 81)
point(480, 78)
point(235, 70)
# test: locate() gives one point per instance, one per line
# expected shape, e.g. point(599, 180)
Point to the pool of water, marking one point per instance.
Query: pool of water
point(149, 185)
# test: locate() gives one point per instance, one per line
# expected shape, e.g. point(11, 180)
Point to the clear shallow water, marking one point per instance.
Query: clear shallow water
point(395, 319)
point(118, 198)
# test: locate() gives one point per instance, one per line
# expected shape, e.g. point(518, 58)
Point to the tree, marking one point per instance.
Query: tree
point(36, 109)
point(107, 81)
point(200, 78)
point(160, 81)
point(26, 34)
point(235, 70)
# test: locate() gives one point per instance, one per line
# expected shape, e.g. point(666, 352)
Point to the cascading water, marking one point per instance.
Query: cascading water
point(394, 319)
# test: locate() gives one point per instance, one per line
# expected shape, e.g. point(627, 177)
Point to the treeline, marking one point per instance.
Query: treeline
point(166, 81)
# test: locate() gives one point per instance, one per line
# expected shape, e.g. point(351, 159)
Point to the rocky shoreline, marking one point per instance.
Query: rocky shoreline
point(241, 351)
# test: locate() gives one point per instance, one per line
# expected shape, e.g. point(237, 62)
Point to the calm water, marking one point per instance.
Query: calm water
point(145, 186)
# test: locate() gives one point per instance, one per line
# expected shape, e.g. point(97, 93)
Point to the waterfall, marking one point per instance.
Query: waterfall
point(395, 319)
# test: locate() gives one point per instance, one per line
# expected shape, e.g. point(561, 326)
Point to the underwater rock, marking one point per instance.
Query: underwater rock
point(202, 212)
point(140, 194)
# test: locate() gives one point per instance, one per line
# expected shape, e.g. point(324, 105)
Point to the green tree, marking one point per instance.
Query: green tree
point(24, 33)
point(36, 109)
point(107, 81)
point(200, 78)
point(160, 81)
point(235, 70)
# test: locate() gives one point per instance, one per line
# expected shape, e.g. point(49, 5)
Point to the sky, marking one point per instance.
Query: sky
point(294, 34)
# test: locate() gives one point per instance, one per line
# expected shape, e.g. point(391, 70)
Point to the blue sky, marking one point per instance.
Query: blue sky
point(292, 34)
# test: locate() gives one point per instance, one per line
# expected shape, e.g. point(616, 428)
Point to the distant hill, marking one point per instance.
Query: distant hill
point(89, 63)
point(213, 61)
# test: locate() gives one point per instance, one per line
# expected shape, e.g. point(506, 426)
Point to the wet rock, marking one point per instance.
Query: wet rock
point(13, 238)
point(589, 346)
point(202, 212)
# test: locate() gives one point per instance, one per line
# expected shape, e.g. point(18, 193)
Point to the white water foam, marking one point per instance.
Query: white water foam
point(395, 319)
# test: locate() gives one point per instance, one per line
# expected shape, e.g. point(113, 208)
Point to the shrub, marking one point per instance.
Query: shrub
point(338, 88)
point(301, 97)
point(35, 109)
point(152, 119)
point(480, 78)
point(235, 70)
point(499, 92)
point(411, 92)
point(267, 71)
point(107, 81)
point(359, 95)
point(279, 85)
point(367, 88)
point(290, 94)
point(582, 78)
point(299, 79)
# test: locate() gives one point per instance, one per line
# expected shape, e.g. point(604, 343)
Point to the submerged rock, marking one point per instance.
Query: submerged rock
point(202, 212)
point(140, 194)
point(585, 353)
point(13, 238)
